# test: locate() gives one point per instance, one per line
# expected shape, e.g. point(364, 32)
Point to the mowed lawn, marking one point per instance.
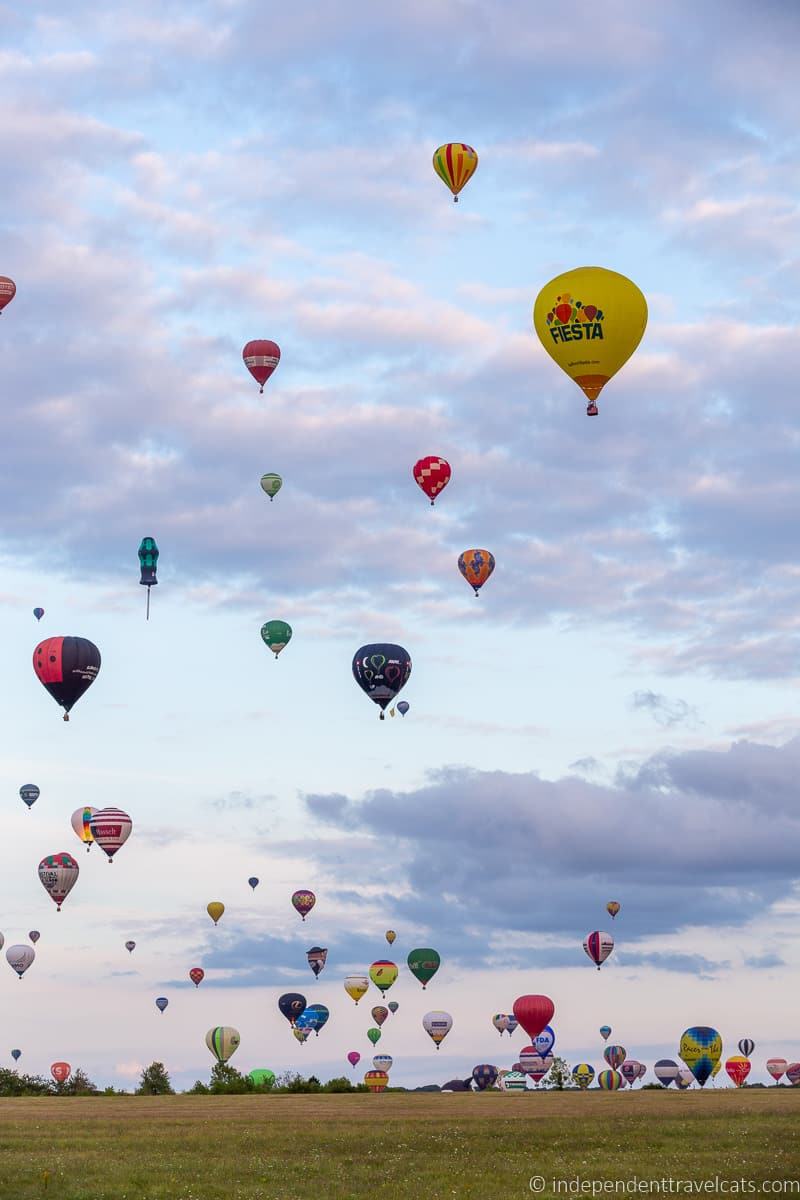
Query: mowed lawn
point(424, 1146)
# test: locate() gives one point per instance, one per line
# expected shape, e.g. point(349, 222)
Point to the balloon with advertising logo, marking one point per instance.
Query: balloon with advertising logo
point(271, 484)
point(356, 986)
point(383, 974)
point(738, 1068)
point(701, 1050)
point(381, 670)
point(630, 1071)
point(276, 635)
point(60, 1071)
point(58, 874)
point(29, 793)
point(598, 946)
point(111, 828)
point(19, 958)
point(437, 1025)
point(66, 667)
point(423, 963)
point(545, 1041)
point(261, 357)
point(292, 1004)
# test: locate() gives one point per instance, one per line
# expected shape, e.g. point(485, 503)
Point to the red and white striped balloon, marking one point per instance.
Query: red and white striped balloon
point(261, 357)
point(111, 828)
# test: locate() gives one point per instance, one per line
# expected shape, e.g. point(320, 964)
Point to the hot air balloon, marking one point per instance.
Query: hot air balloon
point(476, 566)
point(314, 1017)
point(161, 1003)
point(684, 1079)
point(317, 957)
point(374, 1036)
point(793, 1073)
point(8, 290)
point(701, 1049)
point(383, 974)
point(303, 902)
point(390, 936)
point(666, 1071)
point(512, 1023)
point(630, 1071)
point(20, 958)
point(598, 946)
point(513, 1081)
point(38, 613)
point(110, 828)
point(130, 947)
point(253, 882)
point(222, 1041)
point(642, 1070)
point(533, 1013)
point(66, 666)
point(610, 1081)
point(61, 1071)
point(605, 1032)
point(590, 305)
point(381, 669)
point(500, 1022)
point(776, 1067)
point(528, 1059)
point(58, 874)
point(376, 1081)
point(215, 910)
point(379, 1014)
point(197, 975)
point(432, 474)
point(437, 1025)
point(81, 821)
point(301, 1034)
point(583, 1074)
point(392, 1005)
point(538, 1066)
point(292, 1004)
point(276, 635)
point(261, 357)
point(34, 936)
point(16, 1055)
point(354, 1058)
point(29, 792)
point(612, 908)
point(615, 1056)
point(485, 1076)
point(545, 1041)
point(383, 1062)
point(455, 163)
point(262, 1077)
point(738, 1068)
point(423, 964)
point(403, 707)
point(2, 941)
point(148, 562)
point(271, 484)
point(356, 986)
point(746, 1047)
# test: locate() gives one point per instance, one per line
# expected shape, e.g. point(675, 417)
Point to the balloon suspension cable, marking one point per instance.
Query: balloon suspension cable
point(148, 604)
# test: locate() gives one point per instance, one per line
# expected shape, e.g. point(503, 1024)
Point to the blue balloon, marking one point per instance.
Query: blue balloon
point(38, 613)
point(403, 707)
point(485, 1076)
point(16, 1055)
point(545, 1041)
point(314, 1017)
point(161, 1003)
point(253, 882)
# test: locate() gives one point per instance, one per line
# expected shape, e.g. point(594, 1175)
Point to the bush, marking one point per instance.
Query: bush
point(155, 1081)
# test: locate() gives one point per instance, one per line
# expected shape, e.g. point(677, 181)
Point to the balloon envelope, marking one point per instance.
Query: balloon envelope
point(8, 290)
point(20, 958)
point(30, 793)
point(455, 163)
point(261, 357)
point(317, 957)
point(383, 974)
point(381, 670)
point(161, 1003)
point(16, 1055)
point(476, 566)
point(379, 1014)
point(776, 1067)
point(271, 484)
point(354, 1058)
point(356, 986)
point(437, 1025)
point(197, 975)
point(545, 1041)
point(34, 935)
point(746, 1047)
point(432, 474)
point(583, 1074)
point(701, 1050)
point(610, 1081)
point(253, 882)
point(738, 1068)
point(423, 963)
point(500, 1022)
point(374, 1035)
point(130, 947)
point(392, 1006)
point(110, 828)
point(81, 823)
point(403, 707)
point(222, 1041)
point(615, 1056)
point(262, 1076)
point(303, 902)
point(383, 1062)
point(793, 1073)
point(376, 1081)
point(590, 321)
point(598, 946)
point(66, 667)
point(390, 933)
point(630, 1070)
point(276, 635)
point(612, 908)
point(533, 1013)
point(38, 613)
point(215, 910)
point(605, 1032)
point(58, 874)
point(485, 1076)
point(292, 1004)
point(61, 1071)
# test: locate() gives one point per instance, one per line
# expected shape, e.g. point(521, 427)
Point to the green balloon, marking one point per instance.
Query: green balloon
point(374, 1035)
point(262, 1075)
point(271, 484)
point(276, 635)
point(423, 964)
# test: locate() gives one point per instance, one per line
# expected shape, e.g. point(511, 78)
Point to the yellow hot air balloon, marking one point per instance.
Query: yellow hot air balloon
point(356, 986)
point(390, 936)
point(383, 974)
point(455, 163)
point(215, 910)
point(590, 321)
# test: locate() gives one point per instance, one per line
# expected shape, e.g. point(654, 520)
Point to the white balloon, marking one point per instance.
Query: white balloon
point(20, 958)
point(437, 1025)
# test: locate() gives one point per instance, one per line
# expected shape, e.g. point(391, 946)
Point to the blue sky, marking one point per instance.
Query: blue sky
point(615, 717)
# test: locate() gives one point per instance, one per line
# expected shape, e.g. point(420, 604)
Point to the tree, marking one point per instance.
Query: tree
point(78, 1084)
point(155, 1081)
point(13, 1084)
point(226, 1080)
point(559, 1076)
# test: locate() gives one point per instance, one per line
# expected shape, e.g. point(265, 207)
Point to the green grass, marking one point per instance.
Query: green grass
point(422, 1146)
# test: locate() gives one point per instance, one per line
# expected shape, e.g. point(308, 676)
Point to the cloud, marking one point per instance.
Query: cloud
point(665, 712)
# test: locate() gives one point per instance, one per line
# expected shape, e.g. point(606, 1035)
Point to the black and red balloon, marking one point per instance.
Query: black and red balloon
point(66, 666)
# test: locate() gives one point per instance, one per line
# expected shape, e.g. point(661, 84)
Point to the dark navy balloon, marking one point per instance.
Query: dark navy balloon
point(16, 1055)
point(29, 793)
point(253, 882)
point(161, 1003)
point(292, 1004)
point(38, 613)
point(381, 669)
point(485, 1076)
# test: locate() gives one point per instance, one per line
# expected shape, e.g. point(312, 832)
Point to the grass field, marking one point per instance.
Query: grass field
point(423, 1146)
